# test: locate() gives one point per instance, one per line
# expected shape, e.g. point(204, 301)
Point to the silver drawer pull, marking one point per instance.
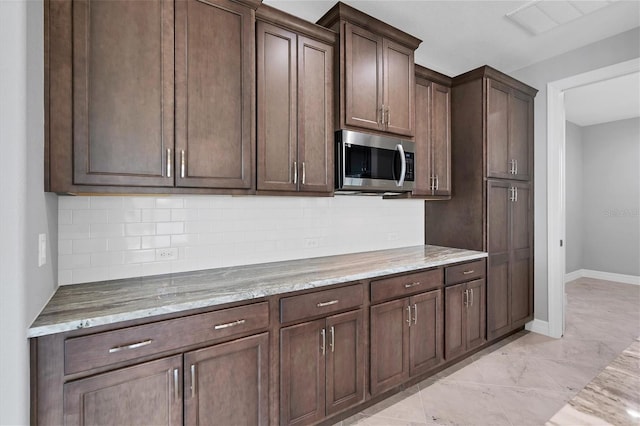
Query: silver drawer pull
point(329, 303)
point(468, 272)
point(131, 346)
point(412, 284)
point(229, 324)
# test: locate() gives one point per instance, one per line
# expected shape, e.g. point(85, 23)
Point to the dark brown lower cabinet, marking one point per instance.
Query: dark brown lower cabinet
point(464, 322)
point(321, 367)
point(510, 263)
point(406, 339)
point(227, 383)
point(148, 393)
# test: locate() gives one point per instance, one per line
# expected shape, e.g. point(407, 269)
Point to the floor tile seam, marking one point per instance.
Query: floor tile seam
point(504, 386)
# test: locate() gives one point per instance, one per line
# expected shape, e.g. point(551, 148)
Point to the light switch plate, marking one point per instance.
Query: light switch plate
point(42, 249)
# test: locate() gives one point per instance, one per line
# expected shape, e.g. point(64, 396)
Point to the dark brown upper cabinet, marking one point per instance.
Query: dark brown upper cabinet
point(509, 132)
point(122, 78)
point(294, 104)
point(376, 73)
point(433, 134)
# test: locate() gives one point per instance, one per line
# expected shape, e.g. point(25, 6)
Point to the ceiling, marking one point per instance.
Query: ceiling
point(462, 35)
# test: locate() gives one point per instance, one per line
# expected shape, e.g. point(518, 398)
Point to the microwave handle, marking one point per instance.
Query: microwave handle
point(403, 163)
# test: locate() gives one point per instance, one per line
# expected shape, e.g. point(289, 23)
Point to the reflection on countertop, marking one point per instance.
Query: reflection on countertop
point(611, 398)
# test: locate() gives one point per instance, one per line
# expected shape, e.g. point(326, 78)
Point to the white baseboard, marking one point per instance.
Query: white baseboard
point(599, 275)
point(538, 326)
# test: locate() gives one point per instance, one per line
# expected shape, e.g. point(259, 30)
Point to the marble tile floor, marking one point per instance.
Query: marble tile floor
point(527, 378)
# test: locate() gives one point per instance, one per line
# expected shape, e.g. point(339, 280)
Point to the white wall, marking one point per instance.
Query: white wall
point(105, 238)
point(613, 50)
point(25, 211)
point(574, 193)
point(611, 201)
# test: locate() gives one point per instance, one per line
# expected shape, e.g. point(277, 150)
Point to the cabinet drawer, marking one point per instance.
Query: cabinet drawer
point(101, 349)
point(389, 288)
point(320, 303)
point(465, 272)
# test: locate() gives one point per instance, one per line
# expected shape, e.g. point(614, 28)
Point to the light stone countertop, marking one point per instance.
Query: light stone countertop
point(92, 304)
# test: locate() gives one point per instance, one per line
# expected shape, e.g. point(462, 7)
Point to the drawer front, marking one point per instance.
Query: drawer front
point(320, 303)
point(389, 288)
point(466, 272)
point(101, 349)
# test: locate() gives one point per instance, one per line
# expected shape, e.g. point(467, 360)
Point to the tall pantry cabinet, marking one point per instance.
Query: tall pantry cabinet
point(492, 178)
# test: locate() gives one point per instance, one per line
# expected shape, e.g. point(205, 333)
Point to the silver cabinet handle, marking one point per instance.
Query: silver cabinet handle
point(176, 384)
point(415, 313)
point(437, 182)
point(414, 284)
point(516, 196)
point(515, 171)
point(131, 346)
point(409, 315)
point(329, 303)
point(323, 348)
point(333, 339)
point(382, 111)
point(295, 172)
point(388, 115)
point(468, 272)
point(465, 298)
point(168, 162)
point(193, 380)
point(229, 324)
point(512, 194)
point(304, 173)
point(512, 167)
point(471, 303)
point(182, 164)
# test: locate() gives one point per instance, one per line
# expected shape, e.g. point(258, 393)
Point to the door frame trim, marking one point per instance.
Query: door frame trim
point(556, 214)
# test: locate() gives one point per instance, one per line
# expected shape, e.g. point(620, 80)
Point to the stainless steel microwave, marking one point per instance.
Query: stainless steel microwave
point(372, 163)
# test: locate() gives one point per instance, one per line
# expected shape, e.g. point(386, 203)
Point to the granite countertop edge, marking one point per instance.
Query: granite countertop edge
point(43, 327)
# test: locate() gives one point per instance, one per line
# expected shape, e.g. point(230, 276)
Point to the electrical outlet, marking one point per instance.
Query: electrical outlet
point(311, 242)
point(42, 249)
point(167, 254)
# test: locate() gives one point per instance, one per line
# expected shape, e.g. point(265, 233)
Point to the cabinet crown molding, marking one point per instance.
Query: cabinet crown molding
point(492, 73)
point(344, 12)
point(431, 75)
point(277, 17)
point(252, 4)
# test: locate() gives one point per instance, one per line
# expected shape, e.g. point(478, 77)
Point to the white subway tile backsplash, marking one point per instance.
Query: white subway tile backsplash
point(168, 228)
point(140, 229)
point(102, 230)
point(103, 238)
point(123, 243)
point(156, 241)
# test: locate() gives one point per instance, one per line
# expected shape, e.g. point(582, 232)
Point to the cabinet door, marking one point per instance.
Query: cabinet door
point(389, 345)
point(521, 134)
point(228, 383)
point(302, 373)
point(424, 171)
point(475, 314)
point(122, 92)
point(521, 256)
point(315, 115)
point(399, 85)
point(454, 321)
point(277, 107)
point(363, 78)
point(345, 361)
point(498, 161)
point(499, 194)
point(441, 138)
point(149, 393)
point(425, 334)
point(214, 94)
